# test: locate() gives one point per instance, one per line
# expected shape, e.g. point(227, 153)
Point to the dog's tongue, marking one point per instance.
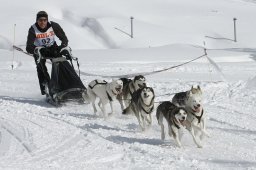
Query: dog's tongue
point(197, 110)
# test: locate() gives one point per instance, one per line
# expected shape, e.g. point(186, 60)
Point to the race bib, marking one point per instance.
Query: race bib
point(45, 39)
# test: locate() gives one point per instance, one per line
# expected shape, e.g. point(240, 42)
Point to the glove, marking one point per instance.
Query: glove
point(44, 52)
point(41, 50)
point(66, 52)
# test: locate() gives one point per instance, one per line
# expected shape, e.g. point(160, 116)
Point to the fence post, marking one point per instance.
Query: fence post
point(132, 27)
point(234, 19)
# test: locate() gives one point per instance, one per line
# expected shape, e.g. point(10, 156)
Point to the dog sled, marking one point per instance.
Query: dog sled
point(64, 85)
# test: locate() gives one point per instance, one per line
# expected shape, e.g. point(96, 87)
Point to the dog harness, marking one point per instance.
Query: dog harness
point(109, 97)
point(96, 82)
point(198, 117)
point(175, 124)
point(148, 112)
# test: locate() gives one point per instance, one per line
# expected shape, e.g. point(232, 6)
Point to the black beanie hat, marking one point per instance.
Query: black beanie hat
point(41, 14)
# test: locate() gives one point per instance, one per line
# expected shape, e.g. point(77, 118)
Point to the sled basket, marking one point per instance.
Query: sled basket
point(65, 84)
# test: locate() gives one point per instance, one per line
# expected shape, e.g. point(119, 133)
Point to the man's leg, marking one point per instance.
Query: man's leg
point(42, 74)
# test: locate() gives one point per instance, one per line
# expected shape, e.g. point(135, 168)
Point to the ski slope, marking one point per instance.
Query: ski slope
point(36, 135)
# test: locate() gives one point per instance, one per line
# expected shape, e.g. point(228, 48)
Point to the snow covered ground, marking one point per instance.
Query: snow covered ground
point(36, 135)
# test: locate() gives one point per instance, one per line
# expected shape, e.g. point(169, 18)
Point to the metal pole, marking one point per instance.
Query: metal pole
point(132, 27)
point(13, 46)
point(235, 29)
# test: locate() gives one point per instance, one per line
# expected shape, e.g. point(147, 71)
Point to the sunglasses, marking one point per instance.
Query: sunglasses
point(42, 20)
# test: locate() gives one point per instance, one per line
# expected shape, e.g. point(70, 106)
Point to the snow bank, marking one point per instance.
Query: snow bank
point(251, 83)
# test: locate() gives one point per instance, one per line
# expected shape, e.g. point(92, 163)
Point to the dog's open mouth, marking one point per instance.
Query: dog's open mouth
point(146, 95)
point(196, 109)
point(181, 121)
point(141, 86)
point(118, 89)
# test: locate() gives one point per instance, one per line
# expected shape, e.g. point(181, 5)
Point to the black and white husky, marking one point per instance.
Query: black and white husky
point(196, 119)
point(106, 92)
point(175, 117)
point(142, 105)
point(129, 87)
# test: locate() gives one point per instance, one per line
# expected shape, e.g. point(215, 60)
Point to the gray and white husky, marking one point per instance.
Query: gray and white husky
point(105, 91)
point(142, 105)
point(196, 119)
point(175, 117)
point(129, 87)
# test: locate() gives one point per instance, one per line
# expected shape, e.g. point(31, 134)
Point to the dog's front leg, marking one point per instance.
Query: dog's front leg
point(121, 103)
point(149, 119)
point(176, 136)
point(103, 108)
point(194, 137)
point(94, 107)
point(204, 132)
point(181, 133)
point(160, 122)
point(140, 120)
point(127, 101)
point(162, 131)
point(111, 106)
point(143, 119)
point(99, 104)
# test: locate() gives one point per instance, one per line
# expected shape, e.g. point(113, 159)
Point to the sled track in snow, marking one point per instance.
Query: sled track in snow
point(15, 135)
point(17, 126)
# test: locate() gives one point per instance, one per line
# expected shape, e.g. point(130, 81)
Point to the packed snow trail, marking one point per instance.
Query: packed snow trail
point(73, 137)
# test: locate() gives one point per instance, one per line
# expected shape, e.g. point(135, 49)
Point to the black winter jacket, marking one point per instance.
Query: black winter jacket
point(57, 30)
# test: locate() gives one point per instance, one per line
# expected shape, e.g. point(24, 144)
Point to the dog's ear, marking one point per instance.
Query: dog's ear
point(191, 90)
point(190, 93)
point(185, 110)
point(151, 89)
point(192, 87)
point(175, 111)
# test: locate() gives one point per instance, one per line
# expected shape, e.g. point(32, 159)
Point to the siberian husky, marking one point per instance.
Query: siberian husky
point(196, 120)
point(142, 105)
point(106, 92)
point(175, 117)
point(130, 86)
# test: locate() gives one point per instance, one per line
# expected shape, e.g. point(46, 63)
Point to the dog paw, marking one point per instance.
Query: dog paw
point(199, 146)
point(111, 113)
point(207, 134)
point(179, 145)
point(143, 128)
